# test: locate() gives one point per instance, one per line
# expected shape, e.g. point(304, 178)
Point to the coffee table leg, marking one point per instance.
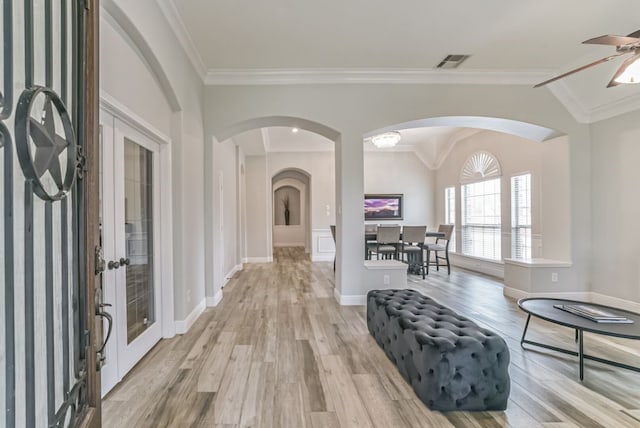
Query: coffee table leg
point(526, 326)
point(581, 353)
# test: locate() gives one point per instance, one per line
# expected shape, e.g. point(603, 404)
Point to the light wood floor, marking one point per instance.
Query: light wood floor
point(280, 352)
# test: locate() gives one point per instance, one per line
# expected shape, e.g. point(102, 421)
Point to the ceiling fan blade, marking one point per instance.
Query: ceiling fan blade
point(613, 40)
point(600, 61)
point(635, 34)
point(627, 62)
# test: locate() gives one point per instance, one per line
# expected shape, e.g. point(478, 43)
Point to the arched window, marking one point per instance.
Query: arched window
point(481, 209)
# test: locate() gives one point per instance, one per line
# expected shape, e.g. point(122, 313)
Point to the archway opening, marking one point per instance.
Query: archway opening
point(427, 165)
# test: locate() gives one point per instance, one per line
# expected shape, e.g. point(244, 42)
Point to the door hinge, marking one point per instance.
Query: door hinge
point(81, 162)
point(87, 4)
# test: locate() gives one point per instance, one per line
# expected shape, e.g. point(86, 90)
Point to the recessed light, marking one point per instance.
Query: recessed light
point(295, 130)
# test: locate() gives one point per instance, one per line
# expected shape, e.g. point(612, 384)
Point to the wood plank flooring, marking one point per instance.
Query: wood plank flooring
point(280, 352)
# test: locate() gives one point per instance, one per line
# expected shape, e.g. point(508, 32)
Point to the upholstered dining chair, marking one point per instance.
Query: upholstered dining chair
point(333, 234)
point(412, 247)
point(387, 242)
point(440, 246)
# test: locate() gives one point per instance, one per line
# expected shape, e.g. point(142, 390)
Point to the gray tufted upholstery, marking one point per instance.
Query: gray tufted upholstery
point(451, 363)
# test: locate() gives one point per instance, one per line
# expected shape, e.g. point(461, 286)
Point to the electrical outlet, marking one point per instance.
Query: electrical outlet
point(554, 277)
point(386, 280)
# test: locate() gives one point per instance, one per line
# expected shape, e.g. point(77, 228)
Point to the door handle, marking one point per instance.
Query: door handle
point(107, 316)
point(124, 262)
point(113, 264)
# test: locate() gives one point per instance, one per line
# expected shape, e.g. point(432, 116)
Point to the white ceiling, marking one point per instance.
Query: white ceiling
point(527, 40)
point(521, 42)
point(279, 139)
point(430, 144)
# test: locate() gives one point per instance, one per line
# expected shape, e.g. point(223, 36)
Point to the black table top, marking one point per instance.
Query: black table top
point(543, 308)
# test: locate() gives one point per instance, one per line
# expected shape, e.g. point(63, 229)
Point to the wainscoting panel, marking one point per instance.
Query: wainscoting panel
point(323, 247)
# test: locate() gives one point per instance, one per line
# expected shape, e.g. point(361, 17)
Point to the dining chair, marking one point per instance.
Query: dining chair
point(387, 242)
point(412, 247)
point(441, 245)
point(369, 231)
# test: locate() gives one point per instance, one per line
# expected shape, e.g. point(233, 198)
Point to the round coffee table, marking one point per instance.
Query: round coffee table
point(544, 309)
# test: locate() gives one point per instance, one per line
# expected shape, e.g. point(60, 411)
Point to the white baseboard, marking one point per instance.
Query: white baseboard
point(495, 269)
point(350, 300)
point(183, 326)
point(615, 302)
point(258, 260)
point(585, 296)
point(212, 302)
point(322, 258)
point(233, 271)
point(289, 244)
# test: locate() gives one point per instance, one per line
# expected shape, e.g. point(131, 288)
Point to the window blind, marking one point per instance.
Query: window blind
point(450, 213)
point(481, 219)
point(521, 216)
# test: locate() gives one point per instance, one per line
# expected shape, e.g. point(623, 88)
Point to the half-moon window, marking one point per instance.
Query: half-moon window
point(480, 166)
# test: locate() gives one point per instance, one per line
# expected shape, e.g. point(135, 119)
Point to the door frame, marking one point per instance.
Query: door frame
point(89, 131)
point(116, 112)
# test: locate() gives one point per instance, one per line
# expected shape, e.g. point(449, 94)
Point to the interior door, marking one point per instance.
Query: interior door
point(130, 205)
point(48, 86)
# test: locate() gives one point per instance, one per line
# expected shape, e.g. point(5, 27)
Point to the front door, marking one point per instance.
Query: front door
point(48, 251)
point(131, 283)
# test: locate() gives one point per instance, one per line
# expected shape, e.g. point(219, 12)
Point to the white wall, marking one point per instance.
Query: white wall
point(147, 34)
point(548, 164)
point(615, 265)
point(294, 234)
point(258, 222)
point(225, 214)
point(125, 77)
point(354, 110)
point(403, 172)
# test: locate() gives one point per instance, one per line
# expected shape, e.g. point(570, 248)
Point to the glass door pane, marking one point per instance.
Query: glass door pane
point(138, 166)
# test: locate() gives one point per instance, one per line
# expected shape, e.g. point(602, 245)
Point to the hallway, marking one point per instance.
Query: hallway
point(280, 352)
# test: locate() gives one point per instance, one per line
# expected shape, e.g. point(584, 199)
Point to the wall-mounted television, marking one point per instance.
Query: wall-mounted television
point(383, 207)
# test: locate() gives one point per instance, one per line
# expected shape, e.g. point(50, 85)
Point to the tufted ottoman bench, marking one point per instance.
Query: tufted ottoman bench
point(451, 363)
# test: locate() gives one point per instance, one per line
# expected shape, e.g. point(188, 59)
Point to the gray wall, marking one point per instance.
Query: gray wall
point(615, 266)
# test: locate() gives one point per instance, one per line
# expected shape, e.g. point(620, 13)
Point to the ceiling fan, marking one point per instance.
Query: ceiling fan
point(628, 72)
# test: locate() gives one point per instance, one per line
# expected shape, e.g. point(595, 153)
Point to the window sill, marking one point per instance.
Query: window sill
point(541, 263)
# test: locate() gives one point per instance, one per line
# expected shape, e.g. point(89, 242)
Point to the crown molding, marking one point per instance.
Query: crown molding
point(615, 108)
point(221, 77)
point(570, 101)
point(587, 115)
point(171, 14)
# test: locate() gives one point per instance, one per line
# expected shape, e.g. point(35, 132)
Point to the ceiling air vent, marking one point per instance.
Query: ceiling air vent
point(452, 61)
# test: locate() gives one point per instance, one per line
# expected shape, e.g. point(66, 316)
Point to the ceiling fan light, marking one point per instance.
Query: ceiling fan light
point(631, 74)
point(386, 140)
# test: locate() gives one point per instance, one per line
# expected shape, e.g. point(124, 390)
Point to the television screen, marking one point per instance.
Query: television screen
point(383, 207)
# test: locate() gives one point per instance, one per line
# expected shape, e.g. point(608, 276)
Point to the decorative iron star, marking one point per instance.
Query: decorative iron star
point(49, 145)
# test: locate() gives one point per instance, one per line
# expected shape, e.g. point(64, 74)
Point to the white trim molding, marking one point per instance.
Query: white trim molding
point(347, 300)
point(171, 14)
point(306, 76)
point(487, 267)
point(114, 107)
point(212, 302)
point(584, 296)
point(183, 326)
point(583, 114)
point(233, 271)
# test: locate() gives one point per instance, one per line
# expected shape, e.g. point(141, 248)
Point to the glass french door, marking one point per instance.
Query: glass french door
point(131, 282)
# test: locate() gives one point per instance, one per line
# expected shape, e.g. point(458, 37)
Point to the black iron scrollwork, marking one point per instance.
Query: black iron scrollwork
point(6, 90)
point(49, 146)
